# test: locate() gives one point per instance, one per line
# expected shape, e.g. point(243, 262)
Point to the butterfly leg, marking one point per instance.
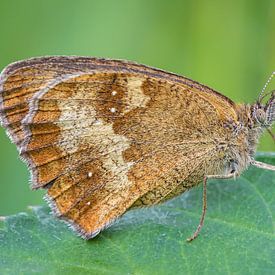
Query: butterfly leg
point(263, 165)
point(204, 203)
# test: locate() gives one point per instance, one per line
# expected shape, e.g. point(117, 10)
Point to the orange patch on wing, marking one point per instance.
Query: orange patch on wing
point(71, 188)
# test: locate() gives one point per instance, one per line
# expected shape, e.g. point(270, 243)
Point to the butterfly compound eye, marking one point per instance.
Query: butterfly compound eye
point(260, 116)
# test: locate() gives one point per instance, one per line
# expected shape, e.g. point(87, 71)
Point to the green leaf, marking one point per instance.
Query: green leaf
point(238, 236)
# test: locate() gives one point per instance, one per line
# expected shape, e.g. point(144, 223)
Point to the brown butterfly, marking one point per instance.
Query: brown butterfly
point(103, 136)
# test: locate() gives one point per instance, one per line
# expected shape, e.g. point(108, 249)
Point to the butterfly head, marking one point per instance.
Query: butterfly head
point(263, 112)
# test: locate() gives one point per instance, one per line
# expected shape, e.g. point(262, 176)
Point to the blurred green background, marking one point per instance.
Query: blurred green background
point(227, 45)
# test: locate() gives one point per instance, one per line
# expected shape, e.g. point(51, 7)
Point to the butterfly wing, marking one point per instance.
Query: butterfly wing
point(105, 135)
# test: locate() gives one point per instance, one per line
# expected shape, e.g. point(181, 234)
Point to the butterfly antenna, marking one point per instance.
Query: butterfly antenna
point(272, 135)
point(265, 86)
point(267, 94)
